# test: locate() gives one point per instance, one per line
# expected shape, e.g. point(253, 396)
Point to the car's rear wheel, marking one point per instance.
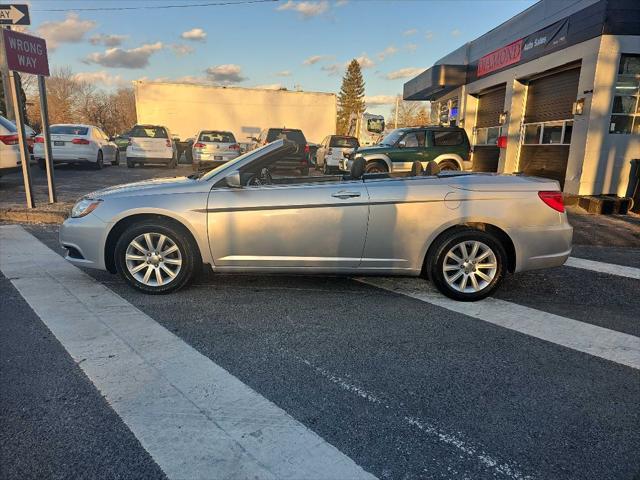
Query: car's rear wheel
point(156, 258)
point(99, 161)
point(130, 163)
point(448, 166)
point(41, 164)
point(375, 167)
point(116, 159)
point(467, 264)
point(173, 163)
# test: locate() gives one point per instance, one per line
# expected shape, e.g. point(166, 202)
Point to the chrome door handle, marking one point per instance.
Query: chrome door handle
point(344, 195)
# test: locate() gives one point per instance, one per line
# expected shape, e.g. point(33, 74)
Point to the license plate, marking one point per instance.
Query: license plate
point(217, 157)
point(58, 143)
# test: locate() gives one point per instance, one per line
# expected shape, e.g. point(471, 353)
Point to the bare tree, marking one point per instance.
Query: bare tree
point(410, 114)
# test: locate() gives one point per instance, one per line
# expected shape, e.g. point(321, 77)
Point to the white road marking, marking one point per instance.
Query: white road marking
point(598, 341)
point(602, 267)
point(195, 419)
point(465, 447)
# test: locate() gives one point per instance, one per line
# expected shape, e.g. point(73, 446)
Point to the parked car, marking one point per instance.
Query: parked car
point(77, 144)
point(332, 150)
point(213, 148)
point(122, 141)
point(238, 217)
point(151, 144)
point(9, 148)
point(449, 147)
point(298, 159)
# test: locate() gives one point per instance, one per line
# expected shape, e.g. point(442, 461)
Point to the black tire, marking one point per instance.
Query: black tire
point(173, 163)
point(191, 260)
point(304, 172)
point(130, 163)
point(326, 169)
point(438, 256)
point(375, 167)
point(449, 166)
point(99, 161)
point(41, 164)
point(116, 161)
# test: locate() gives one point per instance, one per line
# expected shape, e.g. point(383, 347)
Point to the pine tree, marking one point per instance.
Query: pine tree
point(351, 96)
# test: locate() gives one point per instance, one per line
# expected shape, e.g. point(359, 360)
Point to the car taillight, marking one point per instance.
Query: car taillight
point(199, 145)
point(80, 141)
point(39, 139)
point(553, 199)
point(168, 142)
point(234, 146)
point(502, 141)
point(9, 139)
point(306, 149)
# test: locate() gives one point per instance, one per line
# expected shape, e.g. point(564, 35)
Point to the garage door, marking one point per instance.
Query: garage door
point(485, 152)
point(548, 123)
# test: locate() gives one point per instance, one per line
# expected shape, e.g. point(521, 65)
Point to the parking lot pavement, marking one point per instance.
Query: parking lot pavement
point(540, 382)
point(72, 182)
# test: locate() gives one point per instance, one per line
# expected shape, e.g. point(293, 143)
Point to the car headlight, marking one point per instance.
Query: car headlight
point(84, 207)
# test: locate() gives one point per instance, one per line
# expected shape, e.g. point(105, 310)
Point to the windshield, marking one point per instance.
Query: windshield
point(217, 137)
point(294, 135)
point(392, 137)
point(230, 164)
point(68, 130)
point(148, 131)
point(344, 142)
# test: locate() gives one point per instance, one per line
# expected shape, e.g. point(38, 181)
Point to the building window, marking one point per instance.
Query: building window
point(547, 133)
point(487, 135)
point(625, 111)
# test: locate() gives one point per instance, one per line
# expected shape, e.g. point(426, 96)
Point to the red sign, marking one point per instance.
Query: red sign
point(25, 53)
point(500, 58)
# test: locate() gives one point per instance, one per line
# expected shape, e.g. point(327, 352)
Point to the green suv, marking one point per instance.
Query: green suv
point(448, 146)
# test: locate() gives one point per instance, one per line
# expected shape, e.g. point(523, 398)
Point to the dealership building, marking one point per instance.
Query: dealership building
point(554, 92)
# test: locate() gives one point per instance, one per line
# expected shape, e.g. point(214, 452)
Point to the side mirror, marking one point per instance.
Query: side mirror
point(402, 144)
point(233, 180)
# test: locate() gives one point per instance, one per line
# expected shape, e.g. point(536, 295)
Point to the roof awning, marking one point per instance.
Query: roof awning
point(435, 81)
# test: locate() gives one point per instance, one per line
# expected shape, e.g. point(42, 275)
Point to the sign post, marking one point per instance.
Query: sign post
point(28, 54)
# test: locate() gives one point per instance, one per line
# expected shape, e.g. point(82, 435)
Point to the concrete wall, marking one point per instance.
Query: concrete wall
point(186, 109)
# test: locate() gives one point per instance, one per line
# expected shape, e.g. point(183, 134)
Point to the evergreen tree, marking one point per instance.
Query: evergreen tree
point(351, 97)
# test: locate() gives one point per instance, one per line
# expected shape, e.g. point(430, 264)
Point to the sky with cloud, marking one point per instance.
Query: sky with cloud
point(287, 43)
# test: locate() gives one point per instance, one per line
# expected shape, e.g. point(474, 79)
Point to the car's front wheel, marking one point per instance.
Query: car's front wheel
point(156, 258)
point(467, 264)
point(116, 159)
point(99, 161)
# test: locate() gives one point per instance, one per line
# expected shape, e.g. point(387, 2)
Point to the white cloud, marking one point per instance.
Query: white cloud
point(271, 86)
point(181, 50)
point(102, 77)
point(284, 73)
point(70, 30)
point(225, 74)
point(312, 60)
point(411, 31)
point(380, 100)
point(455, 32)
point(409, 72)
point(365, 61)
point(119, 58)
point(334, 68)
point(428, 36)
point(411, 47)
point(108, 40)
point(195, 35)
point(306, 9)
point(387, 52)
point(341, 3)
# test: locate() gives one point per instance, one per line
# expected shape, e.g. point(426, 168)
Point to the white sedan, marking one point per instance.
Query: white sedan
point(77, 144)
point(9, 148)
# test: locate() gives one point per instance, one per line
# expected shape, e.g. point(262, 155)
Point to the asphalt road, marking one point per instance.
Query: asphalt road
point(405, 388)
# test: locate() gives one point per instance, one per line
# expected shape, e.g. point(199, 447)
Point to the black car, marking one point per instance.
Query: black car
point(299, 160)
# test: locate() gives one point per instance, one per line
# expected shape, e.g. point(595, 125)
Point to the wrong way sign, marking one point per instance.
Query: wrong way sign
point(26, 53)
point(14, 14)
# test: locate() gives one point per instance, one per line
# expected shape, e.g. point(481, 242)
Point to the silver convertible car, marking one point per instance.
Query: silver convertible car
point(464, 231)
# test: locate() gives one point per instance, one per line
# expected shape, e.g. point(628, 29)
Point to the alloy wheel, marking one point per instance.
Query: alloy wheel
point(153, 259)
point(470, 266)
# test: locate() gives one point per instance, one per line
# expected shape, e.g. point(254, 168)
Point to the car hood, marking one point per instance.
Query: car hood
point(374, 149)
point(146, 187)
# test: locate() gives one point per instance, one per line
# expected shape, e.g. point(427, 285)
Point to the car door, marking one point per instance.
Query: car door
point(317, 226)
point(108, 148)
point(402, 157)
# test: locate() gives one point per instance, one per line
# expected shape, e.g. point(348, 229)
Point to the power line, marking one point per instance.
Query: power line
point(154, 7)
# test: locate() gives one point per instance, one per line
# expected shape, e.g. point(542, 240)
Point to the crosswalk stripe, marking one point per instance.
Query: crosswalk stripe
point(601, 342)
point(195, 419)
point(602, 267)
